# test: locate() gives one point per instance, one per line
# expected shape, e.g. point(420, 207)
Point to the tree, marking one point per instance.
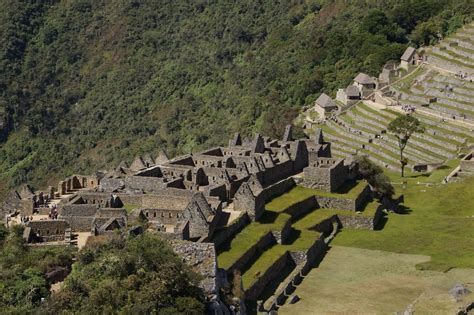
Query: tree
point(374, 175)
point(403, 127)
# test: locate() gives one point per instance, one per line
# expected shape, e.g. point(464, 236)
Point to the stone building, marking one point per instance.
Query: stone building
point(324, 105)
point(365, 83)
point(408, 59)
point(348, 96)
point(45, 231)
point(390, 73)
point(326, 174)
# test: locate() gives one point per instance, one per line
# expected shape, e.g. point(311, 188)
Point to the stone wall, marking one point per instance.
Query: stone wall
point(144, 183)
point(163, 216)
point(245, 201)
point(217, 191)
point(48, 230)
point(357, 204)
point(357, 221)
point(201, 257)
point(326, 174)
point(277, 172)
point(180, 232)
point(277, 189)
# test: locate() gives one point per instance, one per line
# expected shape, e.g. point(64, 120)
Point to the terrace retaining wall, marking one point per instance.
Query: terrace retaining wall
point(361, 222)
point(345, 203)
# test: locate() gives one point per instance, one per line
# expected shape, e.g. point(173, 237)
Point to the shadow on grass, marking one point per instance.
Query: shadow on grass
point(403, 210)
point(381, 224)
point(294, 235)
point(268, 217)
point(344, 189)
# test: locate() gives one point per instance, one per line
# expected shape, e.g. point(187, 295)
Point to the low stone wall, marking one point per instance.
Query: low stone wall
point(264, 242)
point(231, 230)
point(357, 221)
point(344, 203)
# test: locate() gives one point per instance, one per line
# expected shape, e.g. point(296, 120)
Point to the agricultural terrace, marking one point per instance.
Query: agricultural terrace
point(303, 234)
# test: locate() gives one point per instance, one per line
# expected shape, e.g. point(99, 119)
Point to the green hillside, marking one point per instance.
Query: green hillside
point(85, 84)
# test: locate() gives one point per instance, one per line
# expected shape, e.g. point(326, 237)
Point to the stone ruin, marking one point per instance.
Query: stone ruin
point(183, 198)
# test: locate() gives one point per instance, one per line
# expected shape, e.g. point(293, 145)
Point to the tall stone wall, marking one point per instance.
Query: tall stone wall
point(201, 257)
point(277, 172)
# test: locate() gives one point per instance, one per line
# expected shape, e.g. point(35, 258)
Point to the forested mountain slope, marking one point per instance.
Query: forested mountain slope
point(85, 84)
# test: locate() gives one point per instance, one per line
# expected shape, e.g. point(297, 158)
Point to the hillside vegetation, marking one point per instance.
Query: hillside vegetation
point(138, 275)
point(85, 84)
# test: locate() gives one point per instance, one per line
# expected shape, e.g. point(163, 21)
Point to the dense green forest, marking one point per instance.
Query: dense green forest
point(138, 275)
point(87, 83)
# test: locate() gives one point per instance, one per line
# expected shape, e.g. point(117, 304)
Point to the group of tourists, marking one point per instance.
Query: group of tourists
point(408, 108)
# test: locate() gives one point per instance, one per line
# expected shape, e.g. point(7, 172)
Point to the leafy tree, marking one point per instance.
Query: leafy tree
point(374, 175)
point(403, 127)
point(135, 275)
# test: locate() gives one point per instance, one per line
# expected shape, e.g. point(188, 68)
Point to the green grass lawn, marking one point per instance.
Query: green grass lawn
point(435, 177)
point(439, 223)
point(376, 282)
